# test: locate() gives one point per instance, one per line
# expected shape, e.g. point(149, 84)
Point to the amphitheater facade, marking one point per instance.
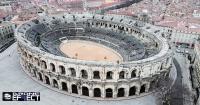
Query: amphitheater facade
point(146, 57)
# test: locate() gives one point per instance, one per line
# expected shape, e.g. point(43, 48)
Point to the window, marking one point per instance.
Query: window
point(73, 72)
point(96, 75)
point(62, 69)
point(109, 75)
point(44, 65)
point(84, 74)
point(52, 67)
point(122, 75)
point(133, 74)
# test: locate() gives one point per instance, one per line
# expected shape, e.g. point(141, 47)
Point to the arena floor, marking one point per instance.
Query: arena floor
point(86, 50)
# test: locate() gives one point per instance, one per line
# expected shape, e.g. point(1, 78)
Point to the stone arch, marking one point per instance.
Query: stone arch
point(47, 80)
point(133, 73)
point(132, 91)
point(122, 75)
point(40, 76)
point(44, 64)
point(74, 89)
point(64, 86)
point(72, 72)
point(52, 67)
point(143, 88)
point(85, 91)
point(84, 74)
point(96, 75)
point(97, 92)
point(62, 69)
point(25, 53)
point(30, 57)
point(109, 93)
point(121, 92)
point(36, 61)
point(55, 83)
point(109, 75)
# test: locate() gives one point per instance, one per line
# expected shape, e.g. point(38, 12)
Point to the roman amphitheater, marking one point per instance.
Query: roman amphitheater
point(93, 56)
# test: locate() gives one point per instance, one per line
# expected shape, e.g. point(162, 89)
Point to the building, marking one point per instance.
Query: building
point(196, 13)
point(6, 33)
point(184, 39)
point(145, 57)
point(195, 71)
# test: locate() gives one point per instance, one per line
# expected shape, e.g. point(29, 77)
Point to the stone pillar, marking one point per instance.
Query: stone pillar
point(43, 78)
point(138, 90)
point(103, 74)
point(126, 92)
point(103, 92)
point(91, 92)
point(59, 85)
point(115, 75)
point(69, 85)
point(90, 73)
point(147, 87)
point(115, 91)
point(79, 89)
point(37, 76)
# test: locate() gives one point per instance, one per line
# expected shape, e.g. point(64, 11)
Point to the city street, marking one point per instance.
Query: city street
point(182, 90)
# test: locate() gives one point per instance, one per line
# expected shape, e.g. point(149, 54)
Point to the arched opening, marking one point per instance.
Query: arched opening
point(161, 66)
point(44, 65)
point(74, 89)
point(25, 53)
point(62, 70)
point(37, 62)
point(109, 75)
point(64, 86)
point(121, 92)
point(55, 83)
point(153, 85)
point(156, 45)
point(40, 76)
point(109, 93)
point(52, 67)
point(122, 75)
point(143, 88)
point(97, 92)
point(96, 75)
point(85, 91)
point(132, 91)
point(47, 80)
point(73, 72)
point(30, 57)
point(133, 74)
point(84, 74)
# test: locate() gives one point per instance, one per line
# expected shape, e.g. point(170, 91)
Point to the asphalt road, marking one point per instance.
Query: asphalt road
point(177, 89)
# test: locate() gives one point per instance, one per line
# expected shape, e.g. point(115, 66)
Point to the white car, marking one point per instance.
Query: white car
point(186, 51)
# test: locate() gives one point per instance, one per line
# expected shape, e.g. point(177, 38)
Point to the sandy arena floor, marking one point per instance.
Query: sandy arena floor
point(86, 50)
